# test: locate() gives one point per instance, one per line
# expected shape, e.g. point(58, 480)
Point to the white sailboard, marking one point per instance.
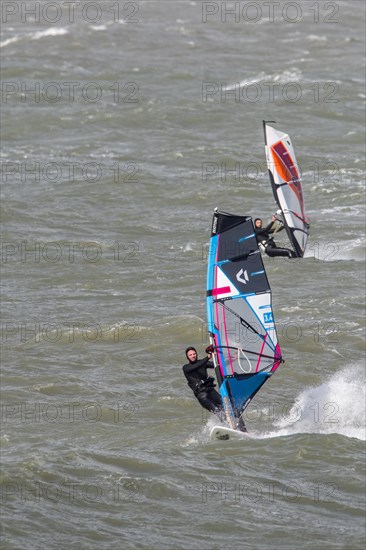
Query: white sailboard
point(223, 433)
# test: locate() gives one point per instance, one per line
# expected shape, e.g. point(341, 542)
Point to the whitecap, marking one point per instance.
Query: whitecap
point(317, 38)
point(9, 41)
point(48, 32)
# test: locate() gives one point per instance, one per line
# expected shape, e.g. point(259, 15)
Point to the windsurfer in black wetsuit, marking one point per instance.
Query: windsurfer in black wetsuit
point(264, 238)
point(200, 383)
point(203, 386)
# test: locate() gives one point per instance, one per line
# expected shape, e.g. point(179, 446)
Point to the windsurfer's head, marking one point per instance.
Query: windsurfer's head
point(191, 354)
point(257, 222)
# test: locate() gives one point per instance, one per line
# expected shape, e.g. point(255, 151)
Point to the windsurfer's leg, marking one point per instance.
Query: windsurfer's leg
point(206, 402)
point(215, 398)
point(212, 402)
point(240, 425)
point(275, 251)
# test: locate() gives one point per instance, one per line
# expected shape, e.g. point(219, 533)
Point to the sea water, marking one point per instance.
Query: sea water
point(124, 124)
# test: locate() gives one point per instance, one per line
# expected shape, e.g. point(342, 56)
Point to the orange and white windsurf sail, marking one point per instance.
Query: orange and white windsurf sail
point(285, 177)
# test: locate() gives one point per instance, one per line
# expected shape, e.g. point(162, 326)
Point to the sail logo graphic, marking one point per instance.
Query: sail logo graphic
point(242, 276)
point(268, 317)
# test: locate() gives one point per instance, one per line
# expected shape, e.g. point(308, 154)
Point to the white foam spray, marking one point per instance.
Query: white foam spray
point(336, 406)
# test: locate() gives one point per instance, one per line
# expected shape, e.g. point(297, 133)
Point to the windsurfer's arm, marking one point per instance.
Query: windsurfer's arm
point(279, 226)
point(194, 366)
point(209, 350)
point(264, 231)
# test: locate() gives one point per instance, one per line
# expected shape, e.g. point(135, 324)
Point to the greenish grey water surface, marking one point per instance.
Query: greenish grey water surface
point(123, 126)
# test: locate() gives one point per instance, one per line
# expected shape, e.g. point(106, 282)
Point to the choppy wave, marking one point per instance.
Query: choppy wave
point(93, 343)
point(9, 41)
point(286, 76)
point(48, 32)
point(317, 38)
point(337, 250)
point(53, 31)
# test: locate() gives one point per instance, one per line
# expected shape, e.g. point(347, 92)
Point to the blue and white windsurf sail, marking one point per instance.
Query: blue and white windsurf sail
point(239, 313)
point(284, 174)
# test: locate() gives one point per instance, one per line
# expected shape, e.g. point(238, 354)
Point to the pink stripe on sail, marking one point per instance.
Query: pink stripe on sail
point(261, 350)
point(217, 309)
point(277, 355)
point(221, 290)
point(228, 343)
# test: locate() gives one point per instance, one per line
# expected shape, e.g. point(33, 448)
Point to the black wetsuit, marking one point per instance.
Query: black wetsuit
point(264, 238)
point(203, 385)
